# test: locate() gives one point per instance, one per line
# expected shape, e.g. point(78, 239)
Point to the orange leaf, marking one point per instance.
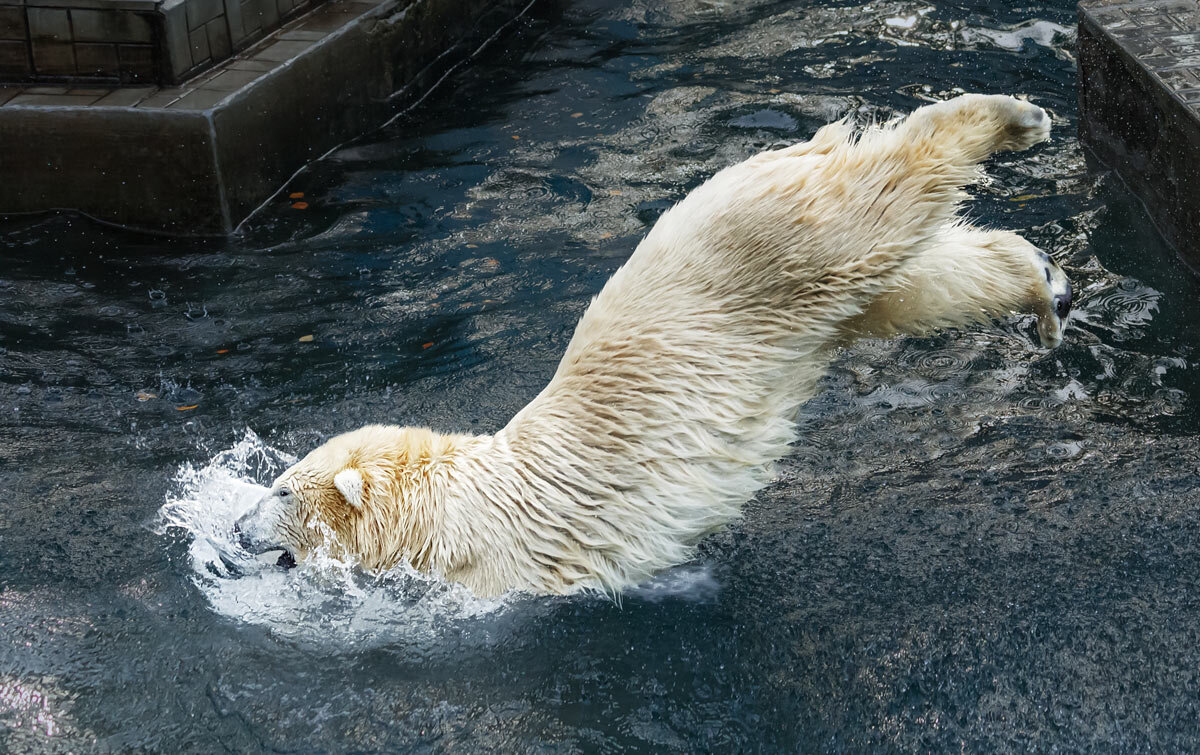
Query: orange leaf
point(300, 205)
point(306, 339)
point(222, 351)
point(576, 115)
point(186, 408)
point(426, 345)
point(296, 195)
point(516, 137)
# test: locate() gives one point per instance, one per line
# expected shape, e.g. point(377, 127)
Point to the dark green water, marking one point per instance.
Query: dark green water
point(976, 544)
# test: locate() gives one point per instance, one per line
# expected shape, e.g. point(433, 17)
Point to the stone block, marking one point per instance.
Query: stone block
point(137, 63)
point(145, 6)
point(281, 51)
point(233, 18)
point(300, 35)
point(200, 12)
point(268, 14)
point(124, 97)
point(14, 58)
point(199, 99)
point(219, 44)
point(325, 19)
point(176, 46)
point(250, 65)
point(53, 58)
point(199, 41)
point(162, 97)
point(55, 100)
point(12, 22)
point(251, 19)
point(49, 24)
point(96, 59)
point(231, 80)
point(110, 26)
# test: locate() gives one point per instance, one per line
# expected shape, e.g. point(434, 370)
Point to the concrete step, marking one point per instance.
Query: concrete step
point(1139, 92)
point(200, 157)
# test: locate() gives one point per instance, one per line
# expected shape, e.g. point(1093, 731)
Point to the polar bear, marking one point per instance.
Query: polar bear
point(682, 381)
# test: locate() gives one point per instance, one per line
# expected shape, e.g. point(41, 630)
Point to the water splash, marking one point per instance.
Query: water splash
point(326, 601)
point(323, 601)
point(1038, 31)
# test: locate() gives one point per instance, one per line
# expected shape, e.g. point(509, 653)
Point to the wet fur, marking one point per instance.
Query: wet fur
point(683, 378)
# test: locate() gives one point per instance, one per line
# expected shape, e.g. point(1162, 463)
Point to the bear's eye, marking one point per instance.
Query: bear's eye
point(284, 493)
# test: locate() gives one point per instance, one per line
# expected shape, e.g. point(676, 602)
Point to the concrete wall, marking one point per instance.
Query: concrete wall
point(129, 42)
point(1139, 94)
point(198, 159)
point(44, 40)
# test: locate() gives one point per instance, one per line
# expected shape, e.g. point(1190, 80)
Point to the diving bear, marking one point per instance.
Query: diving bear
point(683, 378)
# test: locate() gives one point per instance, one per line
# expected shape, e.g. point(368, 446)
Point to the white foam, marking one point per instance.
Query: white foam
point(1043, 33)
point(695, 584)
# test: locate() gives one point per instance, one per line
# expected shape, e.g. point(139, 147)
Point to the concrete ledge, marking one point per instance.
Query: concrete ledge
point(198, 159)
point(1139, 92)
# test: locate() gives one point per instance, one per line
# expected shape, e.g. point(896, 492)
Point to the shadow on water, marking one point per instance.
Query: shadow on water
point(976, 544)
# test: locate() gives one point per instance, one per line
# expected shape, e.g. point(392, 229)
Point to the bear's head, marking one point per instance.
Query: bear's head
point(371, 496)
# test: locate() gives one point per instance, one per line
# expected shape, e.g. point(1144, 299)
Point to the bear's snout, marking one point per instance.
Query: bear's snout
point(253, 532)
point(240, 537)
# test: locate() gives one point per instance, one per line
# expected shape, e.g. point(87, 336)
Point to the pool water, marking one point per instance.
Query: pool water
point(976, 544)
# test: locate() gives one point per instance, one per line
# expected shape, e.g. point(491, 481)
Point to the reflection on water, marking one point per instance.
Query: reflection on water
point(976, 544)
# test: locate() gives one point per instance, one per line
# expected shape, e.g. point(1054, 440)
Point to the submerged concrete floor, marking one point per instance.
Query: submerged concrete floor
point(199, 158)
point(1139, 84)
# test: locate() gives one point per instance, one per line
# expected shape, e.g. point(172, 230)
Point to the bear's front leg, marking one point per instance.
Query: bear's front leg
point(966, 276)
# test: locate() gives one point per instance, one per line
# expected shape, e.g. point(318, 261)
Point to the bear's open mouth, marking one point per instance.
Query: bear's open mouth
point(286, 560)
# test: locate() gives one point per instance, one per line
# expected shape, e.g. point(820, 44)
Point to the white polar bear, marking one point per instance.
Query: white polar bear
point(684, 376)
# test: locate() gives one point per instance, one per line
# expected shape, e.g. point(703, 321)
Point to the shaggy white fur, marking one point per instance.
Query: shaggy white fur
point(684, 376)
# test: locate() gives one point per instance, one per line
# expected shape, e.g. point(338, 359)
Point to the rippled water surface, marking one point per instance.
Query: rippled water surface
point(976, 544)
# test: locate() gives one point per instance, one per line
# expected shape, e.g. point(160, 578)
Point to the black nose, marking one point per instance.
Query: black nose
point(239, 537)
point(1062, 304)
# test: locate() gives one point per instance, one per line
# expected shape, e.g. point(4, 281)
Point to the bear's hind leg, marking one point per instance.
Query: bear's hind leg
point(966, 276)
point(885, 195)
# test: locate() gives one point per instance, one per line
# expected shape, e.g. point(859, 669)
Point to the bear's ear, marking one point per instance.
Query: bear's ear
point(350, 484)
